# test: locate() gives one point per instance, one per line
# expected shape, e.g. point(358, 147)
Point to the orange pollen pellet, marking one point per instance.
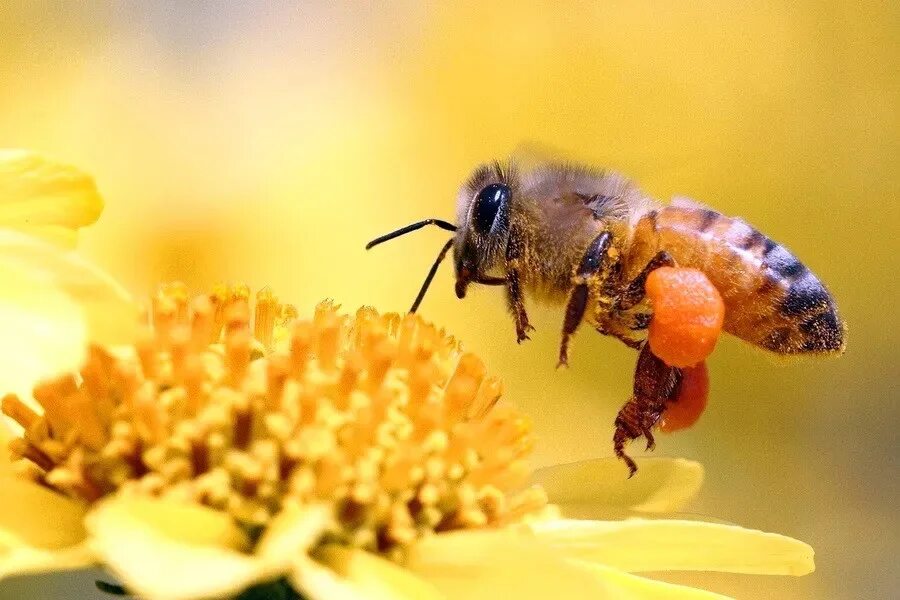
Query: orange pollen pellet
point(688, 313)
point(690, 402)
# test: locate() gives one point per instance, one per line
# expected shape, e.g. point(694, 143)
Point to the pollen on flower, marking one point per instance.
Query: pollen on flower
point(250, 410)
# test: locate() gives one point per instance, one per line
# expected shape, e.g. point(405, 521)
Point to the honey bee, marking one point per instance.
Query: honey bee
point(587, 239)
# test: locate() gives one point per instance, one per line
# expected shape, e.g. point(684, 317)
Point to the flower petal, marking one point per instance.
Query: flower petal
point(179, 522)
point(660, 484)
point(37, 517)
point(39, 529)
point(626, 585)
point(6, 459)
point(24, 560)
point(675, 545)
point(43, 329)
point(475, 565)
point(35, 190)
point(293, 531)
point(317, 582)
point(166, 551)
point(32, 268)
point(370, 576)
point(57, 235)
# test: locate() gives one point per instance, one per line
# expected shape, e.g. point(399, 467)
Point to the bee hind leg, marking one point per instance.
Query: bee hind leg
point(591, 267)
point(634, 292)
point(655, 385)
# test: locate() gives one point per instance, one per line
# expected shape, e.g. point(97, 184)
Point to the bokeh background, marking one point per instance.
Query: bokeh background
point(267, 142)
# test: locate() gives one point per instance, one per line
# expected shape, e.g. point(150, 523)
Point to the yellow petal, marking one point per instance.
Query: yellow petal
point(366, 575)
point(293, 531)
point(39, 530)
point(107, 309)
point(35, 190)
point(627, 586)
point(166, 551)
point(317, 582)
point(476, 565)
point(43, 330)
point(16, 559)
point(660, 485)
point(5, 456)
point(38, 517)
point(674, 545)
point(55, 234)
point(185, 523)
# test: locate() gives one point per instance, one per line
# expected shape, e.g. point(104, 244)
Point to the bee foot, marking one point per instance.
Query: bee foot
point(629, 462)
point(651, 443)
point(624, 434)
point(522, 332)
point(563, 356)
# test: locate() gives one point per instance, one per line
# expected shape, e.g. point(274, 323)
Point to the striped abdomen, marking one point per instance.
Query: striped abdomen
point(771, 299)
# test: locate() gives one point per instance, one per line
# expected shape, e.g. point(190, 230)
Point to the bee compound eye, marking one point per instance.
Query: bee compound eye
point(488, 203)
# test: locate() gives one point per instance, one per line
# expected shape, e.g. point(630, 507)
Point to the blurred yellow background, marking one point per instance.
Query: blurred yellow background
point(267, 142)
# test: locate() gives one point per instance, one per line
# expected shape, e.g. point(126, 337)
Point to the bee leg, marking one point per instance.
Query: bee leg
point(514, 295)
point(634, 291)
point(517, 305)
point(655, 385)
point(592, 264)
point(574, 314)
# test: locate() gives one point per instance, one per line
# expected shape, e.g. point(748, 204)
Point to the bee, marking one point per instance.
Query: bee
point(587, 239)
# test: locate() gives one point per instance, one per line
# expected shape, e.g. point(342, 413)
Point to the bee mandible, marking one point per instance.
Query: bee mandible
point(587, 239)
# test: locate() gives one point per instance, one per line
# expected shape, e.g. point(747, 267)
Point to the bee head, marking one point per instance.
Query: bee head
point(482, 224)
point(480, 233)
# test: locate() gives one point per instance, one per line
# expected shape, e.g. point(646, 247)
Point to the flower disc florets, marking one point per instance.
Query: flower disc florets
point(381, 417)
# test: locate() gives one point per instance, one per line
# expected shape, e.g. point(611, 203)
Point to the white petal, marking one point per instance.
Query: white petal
point(675, 545)
point(660, 484)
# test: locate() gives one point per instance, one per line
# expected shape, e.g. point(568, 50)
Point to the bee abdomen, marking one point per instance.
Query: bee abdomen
point(809, 322)
point(772, 299)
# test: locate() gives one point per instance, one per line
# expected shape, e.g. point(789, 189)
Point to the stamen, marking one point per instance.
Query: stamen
point(380, 416)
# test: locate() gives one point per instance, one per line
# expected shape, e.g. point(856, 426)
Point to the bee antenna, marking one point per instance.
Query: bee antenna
point(437, 262)
point(410, 228)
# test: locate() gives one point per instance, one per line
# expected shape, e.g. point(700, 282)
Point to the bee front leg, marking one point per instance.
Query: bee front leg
point(590, 268)
point(517, 305)
point(655, 385)
point(514, 295)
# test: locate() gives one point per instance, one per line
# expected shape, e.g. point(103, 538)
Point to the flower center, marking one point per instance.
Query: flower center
point(382, 417)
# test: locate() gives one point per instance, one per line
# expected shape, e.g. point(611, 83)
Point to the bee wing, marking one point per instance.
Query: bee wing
point(685, 202)
point(530, 154)
point(651, 171)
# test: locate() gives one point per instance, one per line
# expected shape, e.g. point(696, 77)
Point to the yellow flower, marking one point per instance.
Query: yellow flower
point(364, 457)
point(46, 198)
point(51, 301)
